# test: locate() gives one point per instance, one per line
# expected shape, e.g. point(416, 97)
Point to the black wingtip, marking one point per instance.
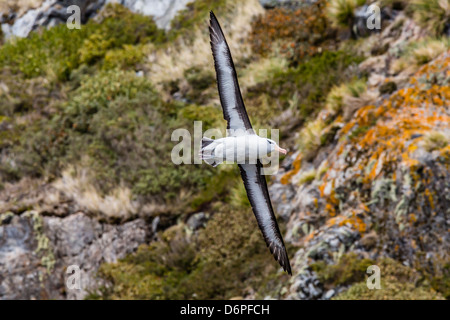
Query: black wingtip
point(287, 265)
point(280, 255)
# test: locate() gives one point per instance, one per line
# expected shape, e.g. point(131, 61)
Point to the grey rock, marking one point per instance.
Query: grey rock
point(26, 247)
point(197, 221)
point(329, 294)
point(307, 286)
point(53, 12)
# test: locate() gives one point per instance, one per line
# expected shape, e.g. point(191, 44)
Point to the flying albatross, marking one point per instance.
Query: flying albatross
point(242, 145)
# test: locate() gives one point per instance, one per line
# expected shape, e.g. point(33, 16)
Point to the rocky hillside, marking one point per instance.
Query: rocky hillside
point(86, 117)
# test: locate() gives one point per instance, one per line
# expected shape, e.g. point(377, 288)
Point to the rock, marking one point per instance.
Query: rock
point(307, 286)
point(19, 22)
point(288, 4)
point(162, 11)
point(282, 196)
point(329, 294)
point(197, 221)
point(35, 252)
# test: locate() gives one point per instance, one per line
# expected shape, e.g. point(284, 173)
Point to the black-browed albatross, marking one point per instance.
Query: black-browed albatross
point(243, 138)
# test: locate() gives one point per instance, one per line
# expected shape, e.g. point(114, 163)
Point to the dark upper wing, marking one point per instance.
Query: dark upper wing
point(230, 94)
point(258, 194)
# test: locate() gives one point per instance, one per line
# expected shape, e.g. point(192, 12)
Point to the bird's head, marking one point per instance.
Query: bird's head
point(272, 146)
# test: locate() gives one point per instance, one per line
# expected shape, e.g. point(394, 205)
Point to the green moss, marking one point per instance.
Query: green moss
point(43, 249)
point(441, 281)
point(398, 282)
point(347, 270)
point(127, 57)
point(182, 266)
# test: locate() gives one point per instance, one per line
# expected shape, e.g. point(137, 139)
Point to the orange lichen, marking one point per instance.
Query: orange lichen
point(285, 179)
point(379, 140)
point(354, 221)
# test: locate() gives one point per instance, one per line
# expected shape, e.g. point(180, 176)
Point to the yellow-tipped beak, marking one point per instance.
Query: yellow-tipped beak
point(281, 150)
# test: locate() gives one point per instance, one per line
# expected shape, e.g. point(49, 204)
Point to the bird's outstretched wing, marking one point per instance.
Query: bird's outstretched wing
point(236, 115)
point(258, 194)
point(230, 94)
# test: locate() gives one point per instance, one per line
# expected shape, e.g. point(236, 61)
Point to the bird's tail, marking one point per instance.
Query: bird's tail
point(207, 152)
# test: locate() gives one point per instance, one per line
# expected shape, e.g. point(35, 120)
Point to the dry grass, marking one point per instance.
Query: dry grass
point(419, 53)
point(310, 138)
point(260, 70)
point(19, 6)
point(170, 63)
point(436, 140)
point(306, 177)
point(336, 99)
point(432, 14)
point(341, 12)
point(349, 97)
point(429, 50)
point(75, 184)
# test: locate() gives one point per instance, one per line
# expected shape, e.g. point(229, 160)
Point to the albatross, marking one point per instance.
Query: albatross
point(242, 145)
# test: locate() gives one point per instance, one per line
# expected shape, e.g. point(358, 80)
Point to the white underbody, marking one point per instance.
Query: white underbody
point(239, 149)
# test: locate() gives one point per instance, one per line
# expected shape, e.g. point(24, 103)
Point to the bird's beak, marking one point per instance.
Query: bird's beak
point(281, 150)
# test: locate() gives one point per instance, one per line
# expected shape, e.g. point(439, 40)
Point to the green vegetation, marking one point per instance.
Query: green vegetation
point(397, 283)
point(81, 105)
point(434, 15)
point(342, 12)
point(336, 99)
point(196, 13)
point(349, 269)
point(435, 140)
point(311, 80)
point(418, 53)
point(185, 266)
point(49, 53)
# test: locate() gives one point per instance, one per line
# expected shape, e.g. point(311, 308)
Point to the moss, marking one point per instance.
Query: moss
point(182, 266)
point(441, 281)
point(397, 283)
point(43, 248)
point(154, 272)
point(127, 57)
point(349, 269)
